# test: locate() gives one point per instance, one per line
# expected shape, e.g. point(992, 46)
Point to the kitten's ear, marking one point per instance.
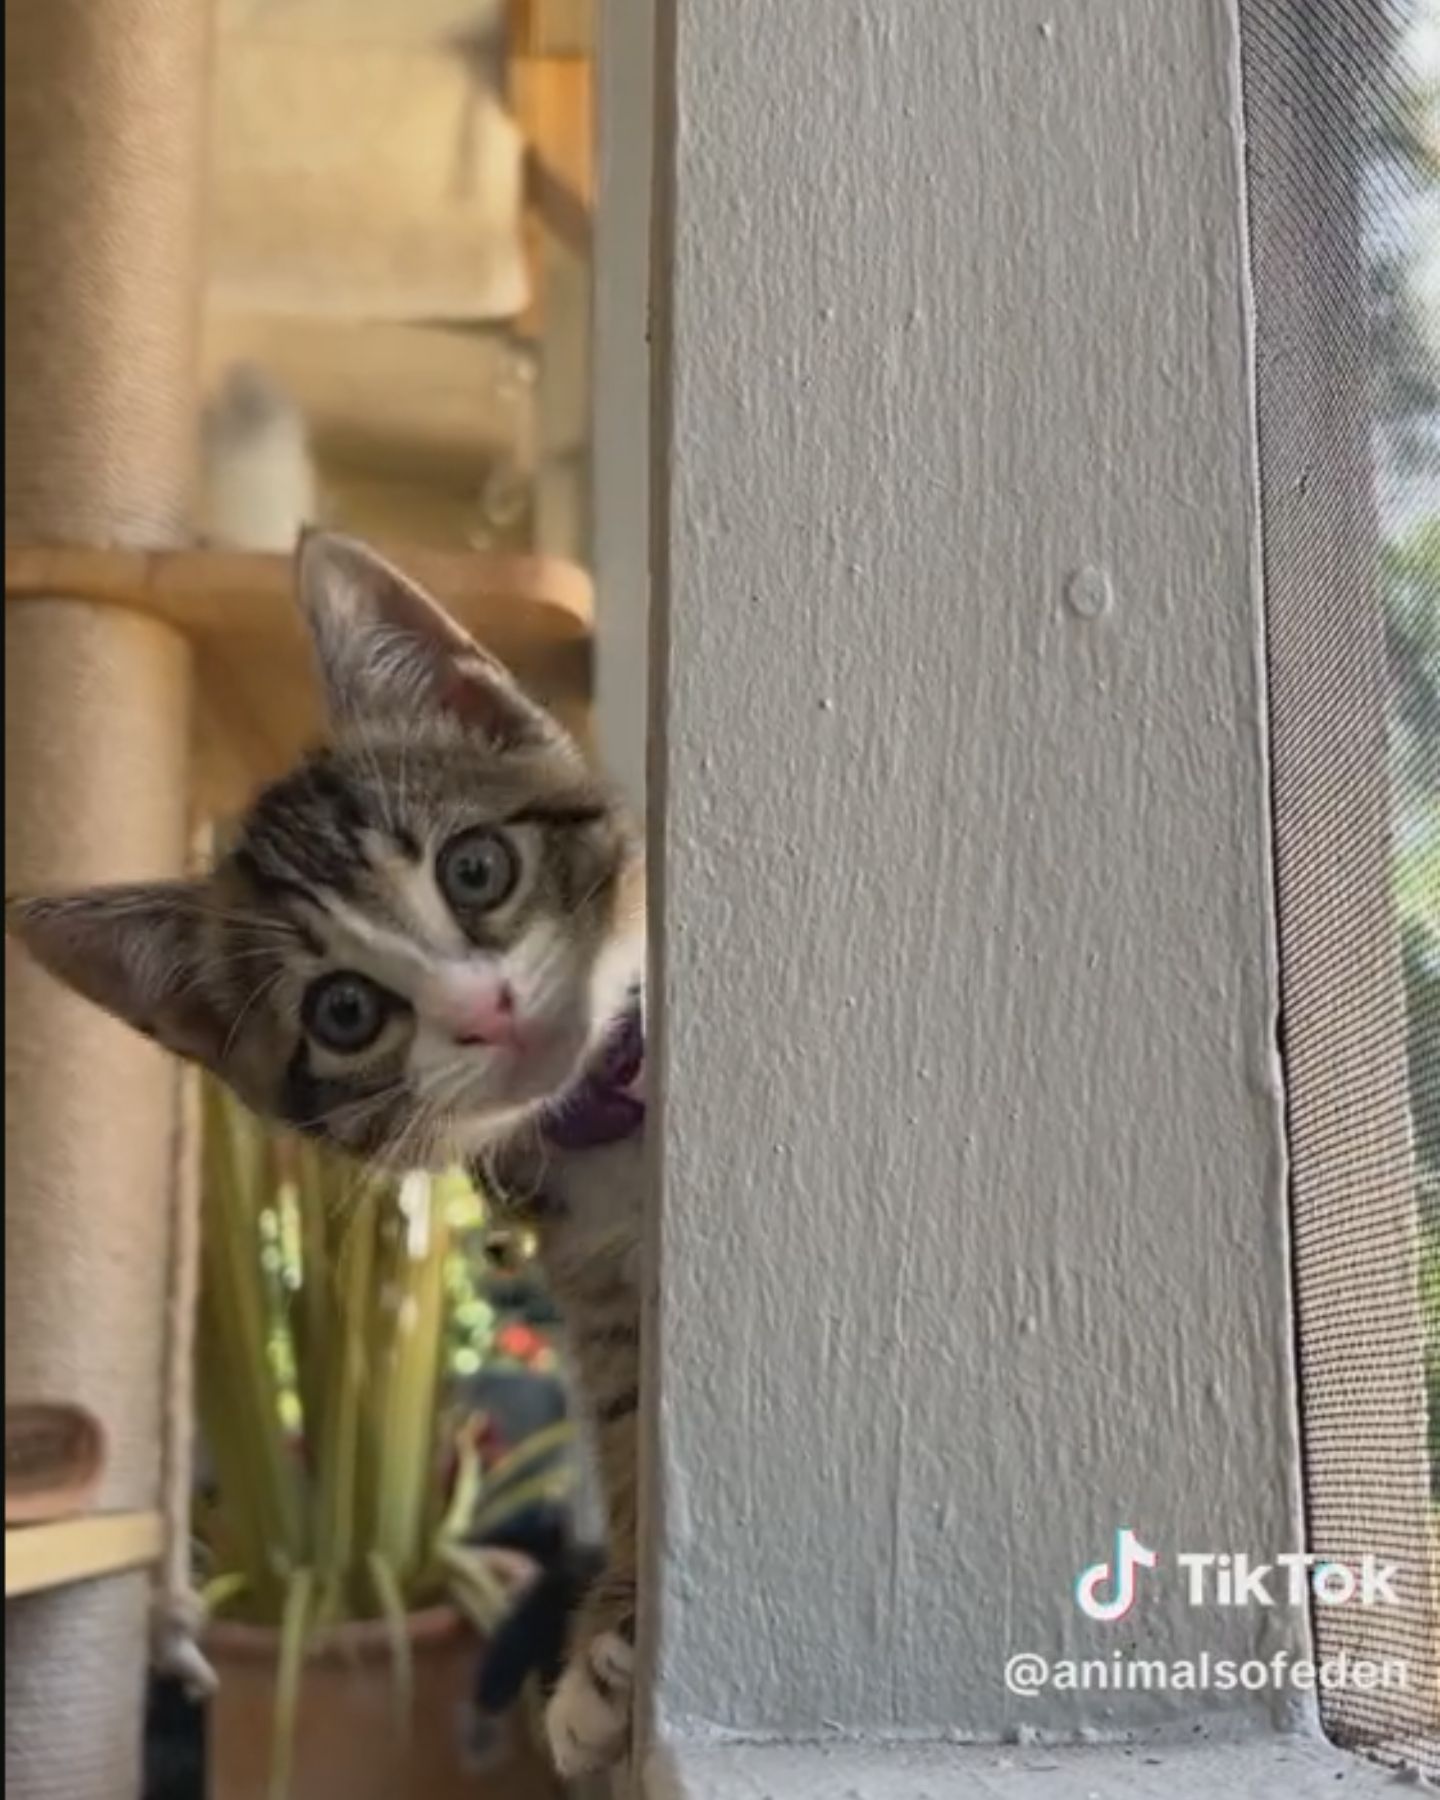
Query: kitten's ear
point(133, 951)
point(385, 647)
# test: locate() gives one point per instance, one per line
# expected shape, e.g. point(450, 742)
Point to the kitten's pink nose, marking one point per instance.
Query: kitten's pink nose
point(481, 1011)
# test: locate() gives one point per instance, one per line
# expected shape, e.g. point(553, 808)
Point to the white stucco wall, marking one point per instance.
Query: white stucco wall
point(973, 1233)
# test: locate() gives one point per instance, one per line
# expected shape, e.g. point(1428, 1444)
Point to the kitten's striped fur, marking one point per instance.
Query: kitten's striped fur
point(344, 869)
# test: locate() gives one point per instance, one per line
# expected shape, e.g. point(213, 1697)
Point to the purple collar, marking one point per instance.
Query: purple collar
point(601, 1107)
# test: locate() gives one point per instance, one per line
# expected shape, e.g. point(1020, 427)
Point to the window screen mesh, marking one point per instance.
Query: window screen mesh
point(1343, 125)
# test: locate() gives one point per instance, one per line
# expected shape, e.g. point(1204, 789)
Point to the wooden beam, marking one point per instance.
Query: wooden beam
point(516, 601)
point(551, 93)
point(552, 27)
point(38, 1557)
point(257, 701)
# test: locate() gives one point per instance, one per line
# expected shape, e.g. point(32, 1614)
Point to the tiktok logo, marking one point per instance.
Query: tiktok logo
point(1130, 1555)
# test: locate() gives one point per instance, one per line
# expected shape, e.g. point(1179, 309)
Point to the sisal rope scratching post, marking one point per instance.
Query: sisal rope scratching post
point(104, 111)
point(105, 103)
point(97, 737)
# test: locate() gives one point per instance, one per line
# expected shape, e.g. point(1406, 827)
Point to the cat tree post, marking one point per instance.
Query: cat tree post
point(104, 110)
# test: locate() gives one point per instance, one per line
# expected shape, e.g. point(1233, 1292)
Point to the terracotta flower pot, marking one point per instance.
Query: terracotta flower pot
point(347, 1743)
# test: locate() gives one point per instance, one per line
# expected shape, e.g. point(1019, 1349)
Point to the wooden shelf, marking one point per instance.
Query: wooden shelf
point(257, 702)
point(550, 82)
point(38, 1557)
point(521, 607)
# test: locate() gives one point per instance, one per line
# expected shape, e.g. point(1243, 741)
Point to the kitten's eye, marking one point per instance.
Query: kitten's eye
point(477, 870)
point(344, 1012)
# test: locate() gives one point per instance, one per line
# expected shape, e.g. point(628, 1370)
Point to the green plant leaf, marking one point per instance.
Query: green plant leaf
point(469, 1481)
point(554, 1484)
point(337, 1441)
point(393, 1611)
point(332, 1301)
point(409, 1336)
point(295, 1627)
point(241, 1422)
point(482, 1598)
point(533, 1449)
point(216, 1595)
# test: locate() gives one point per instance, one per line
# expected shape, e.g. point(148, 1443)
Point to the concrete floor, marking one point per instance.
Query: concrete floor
point(1201, 1769)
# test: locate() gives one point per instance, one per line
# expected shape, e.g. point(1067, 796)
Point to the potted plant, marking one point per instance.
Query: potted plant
point(345, 1587)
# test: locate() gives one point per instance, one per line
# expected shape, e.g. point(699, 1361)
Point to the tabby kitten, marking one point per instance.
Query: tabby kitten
point(423, 944)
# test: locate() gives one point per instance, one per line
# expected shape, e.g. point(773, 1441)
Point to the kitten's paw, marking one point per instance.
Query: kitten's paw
point(588, 1718)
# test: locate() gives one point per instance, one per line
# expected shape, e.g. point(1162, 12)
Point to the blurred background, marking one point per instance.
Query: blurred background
point(329, 1407)
point(397, 304)
point(396, 333)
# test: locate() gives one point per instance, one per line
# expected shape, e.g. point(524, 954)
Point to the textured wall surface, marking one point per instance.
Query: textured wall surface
point(1268, 1768)
point(973, 1225)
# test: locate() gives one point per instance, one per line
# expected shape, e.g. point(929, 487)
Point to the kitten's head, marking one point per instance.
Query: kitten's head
point(417, 935)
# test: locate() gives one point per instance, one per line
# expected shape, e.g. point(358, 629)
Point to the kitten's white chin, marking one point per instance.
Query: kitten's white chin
point(509, 1096)
point(508, 1092)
